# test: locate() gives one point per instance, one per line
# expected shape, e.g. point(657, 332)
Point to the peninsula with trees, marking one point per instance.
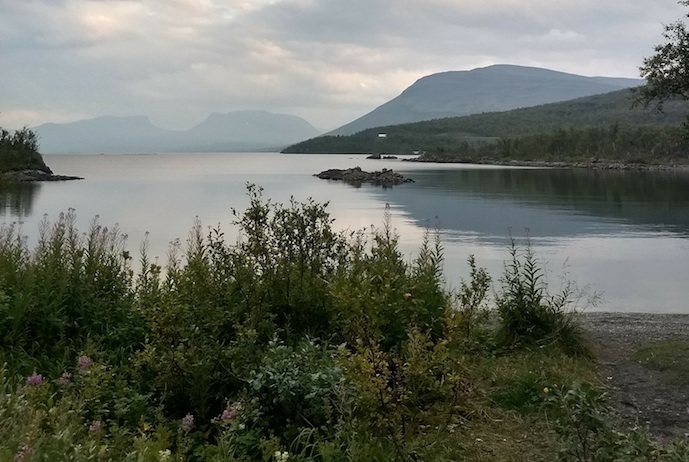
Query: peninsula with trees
point(20, 159)
point(601, 129)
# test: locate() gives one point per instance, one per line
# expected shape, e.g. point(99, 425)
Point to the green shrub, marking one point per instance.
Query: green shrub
point(408, 399)
point(582, 418)
point(70, 289)
point(293, 388)
point(377, 296)
point(530, 316)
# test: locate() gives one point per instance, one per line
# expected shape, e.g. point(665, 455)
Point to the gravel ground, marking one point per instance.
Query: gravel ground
point(641, 395)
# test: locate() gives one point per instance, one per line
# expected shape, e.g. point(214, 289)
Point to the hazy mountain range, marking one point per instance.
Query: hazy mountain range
point(447, 94)
point(236, 131)
point(489, 89)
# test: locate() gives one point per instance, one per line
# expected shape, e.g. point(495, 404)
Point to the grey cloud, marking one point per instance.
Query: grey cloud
point(328, 60)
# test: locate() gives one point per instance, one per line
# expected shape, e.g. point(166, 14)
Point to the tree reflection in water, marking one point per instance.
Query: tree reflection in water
point(16, 200)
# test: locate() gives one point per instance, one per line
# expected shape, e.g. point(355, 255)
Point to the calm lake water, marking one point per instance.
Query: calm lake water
point(624, 235)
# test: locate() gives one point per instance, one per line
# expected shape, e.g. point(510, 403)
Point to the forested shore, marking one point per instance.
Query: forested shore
point(588, 131)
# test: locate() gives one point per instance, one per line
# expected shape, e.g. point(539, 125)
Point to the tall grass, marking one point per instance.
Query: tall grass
point(72, 289)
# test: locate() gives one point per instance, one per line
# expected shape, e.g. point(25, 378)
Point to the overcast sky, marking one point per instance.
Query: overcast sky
point(329, 61)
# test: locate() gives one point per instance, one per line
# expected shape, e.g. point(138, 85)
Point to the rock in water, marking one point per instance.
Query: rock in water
point(357, 176)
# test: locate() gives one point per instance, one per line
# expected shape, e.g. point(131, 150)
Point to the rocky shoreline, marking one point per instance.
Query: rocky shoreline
point(23, 176)
point(357, 176)
point(595, 164)
point(640, 395)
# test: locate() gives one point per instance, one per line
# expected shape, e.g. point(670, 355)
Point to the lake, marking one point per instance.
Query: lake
point(624, 235)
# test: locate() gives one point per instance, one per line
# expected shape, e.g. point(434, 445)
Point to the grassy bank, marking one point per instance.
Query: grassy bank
point(295, 343)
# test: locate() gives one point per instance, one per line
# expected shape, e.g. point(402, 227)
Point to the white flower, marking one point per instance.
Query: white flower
point(164, 455)
point(281, 456)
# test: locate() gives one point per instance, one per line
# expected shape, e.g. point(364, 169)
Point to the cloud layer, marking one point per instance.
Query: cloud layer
point(328, 61)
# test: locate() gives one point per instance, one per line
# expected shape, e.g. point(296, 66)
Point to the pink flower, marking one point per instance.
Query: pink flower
point(187, 423)
point(65, 379)
point(34, 380)
point(22, 453)
point(228, 414)
point(84, 363)
point(95, 426)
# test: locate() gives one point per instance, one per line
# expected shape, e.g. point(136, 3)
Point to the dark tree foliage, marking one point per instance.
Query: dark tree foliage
point(667, 71)
point(19, 151)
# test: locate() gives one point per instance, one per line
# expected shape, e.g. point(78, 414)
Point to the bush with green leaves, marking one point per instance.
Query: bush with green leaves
point(70, 289)
point(377, 296)
point(529, 316)
point(293, 388)
point(582, 418)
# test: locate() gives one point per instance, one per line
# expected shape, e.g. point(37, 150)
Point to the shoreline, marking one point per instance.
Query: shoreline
point(591, 164)
point(641, 395)
point(33, 175)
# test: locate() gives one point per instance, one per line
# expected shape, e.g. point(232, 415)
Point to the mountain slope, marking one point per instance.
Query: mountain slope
point(606, 110)
point(241, 130)
point(488, 89)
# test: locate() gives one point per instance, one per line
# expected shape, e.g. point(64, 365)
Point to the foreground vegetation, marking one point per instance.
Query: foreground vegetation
point(602, 127)
point(296, 343)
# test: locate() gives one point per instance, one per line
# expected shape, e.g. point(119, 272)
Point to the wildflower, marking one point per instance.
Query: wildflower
point(187, 423)
point(164, 455)
point(546, 390)
point(65, 379)
point(22, 453)
point(95, 426)
point(34, 380)
point(228, 415)
point(84, 363)
point(281, 456)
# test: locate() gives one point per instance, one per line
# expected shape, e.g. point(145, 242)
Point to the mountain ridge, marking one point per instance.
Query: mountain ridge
point(496, 88)
point(232, 131)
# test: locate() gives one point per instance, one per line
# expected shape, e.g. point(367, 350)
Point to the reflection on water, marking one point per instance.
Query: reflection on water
point(16, 200)
point(623, 234)
point(549, 202)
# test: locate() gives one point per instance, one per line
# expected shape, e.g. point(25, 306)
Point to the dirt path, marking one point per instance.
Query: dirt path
point(642, 396)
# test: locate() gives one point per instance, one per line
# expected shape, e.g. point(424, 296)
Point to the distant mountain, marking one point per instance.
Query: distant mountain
point(248, 130)
point(489, 89)
point(241, 130)
point(102, 134)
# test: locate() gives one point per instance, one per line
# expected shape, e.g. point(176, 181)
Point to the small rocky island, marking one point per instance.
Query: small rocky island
point(356, 176)
point(380, 156)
